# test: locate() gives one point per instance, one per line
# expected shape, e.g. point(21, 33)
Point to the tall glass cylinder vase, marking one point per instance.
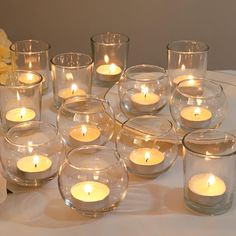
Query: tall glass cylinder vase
point(32, 55)
point(187, 59)
point(110, 53)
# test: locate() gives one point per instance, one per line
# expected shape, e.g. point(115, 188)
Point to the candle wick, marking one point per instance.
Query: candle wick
point(83, 134)
point(89, 193)
point(35, 165)
point(145, 95)
point(147, 159)
point(73, 91)
point(21, 116)
point(196, 114)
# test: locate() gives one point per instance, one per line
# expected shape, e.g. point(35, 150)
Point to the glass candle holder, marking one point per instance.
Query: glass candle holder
point(209, 170)
point(71, 76)
point(148, 145)
point(187, 59)
point(20, 102)
point(143, 89)
point(32, 55)
point(85, 120)
point(93, 180)
point(32, 153)
point(110, 53)
point(198, 107)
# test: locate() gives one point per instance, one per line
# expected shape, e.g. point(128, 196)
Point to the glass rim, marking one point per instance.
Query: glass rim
point(219, 87)
point(24, 86)
point(78, 98)
point(171, 126)
point(204, 155)
point(125, 41)
point(162, 70)
point(47, 46)
point(204, 50)
point(29, 124)
point(71, 53)
point(89, 147)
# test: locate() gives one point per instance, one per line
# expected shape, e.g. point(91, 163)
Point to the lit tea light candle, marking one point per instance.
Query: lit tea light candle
point(195, 117)
point(108, 71)
point(28, 78)
point(34, 166)
point(84, 133)
point(145, 100)
point(18, 115)
point(146, 160)
point(70, 92)
point(90, 194)
point(206, 189)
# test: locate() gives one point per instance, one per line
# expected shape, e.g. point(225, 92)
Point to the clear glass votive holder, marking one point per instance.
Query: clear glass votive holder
point(71, 76)
point(143, 89)
point(209, 170)
point(187, 59)
point(20, 102)
point(110, 54)
point(148, 145)
point(198, 107)
point(85, 120)
point(32, 55)
point(93, 180)
point(32, 153)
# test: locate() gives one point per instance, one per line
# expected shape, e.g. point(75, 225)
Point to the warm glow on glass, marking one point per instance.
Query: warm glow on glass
point(17, 96)
point(69, 76)
point(183, 67)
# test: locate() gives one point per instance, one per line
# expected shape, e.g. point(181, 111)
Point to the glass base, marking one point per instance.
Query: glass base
point(208, 210)
point(92, 213)
point(131, 112)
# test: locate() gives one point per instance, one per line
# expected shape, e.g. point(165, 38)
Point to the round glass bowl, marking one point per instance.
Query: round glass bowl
point(143, 89)
point(198, 104)
point(93, 180)
point(32, 153)
point(209, 170)
point(85, 120)
point(148, 145)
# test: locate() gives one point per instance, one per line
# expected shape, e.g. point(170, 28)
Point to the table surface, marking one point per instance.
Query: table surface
point(152, 206)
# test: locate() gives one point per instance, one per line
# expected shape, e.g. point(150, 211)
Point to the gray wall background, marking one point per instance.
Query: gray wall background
point(68, 24)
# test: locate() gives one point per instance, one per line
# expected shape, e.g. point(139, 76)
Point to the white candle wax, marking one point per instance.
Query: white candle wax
point(18, 115)
point(206, 189)
point(146, 160)
point(34, 166)
point(90, 195)
point(195, 117)
point(84, 133)
point(28, 78)
point(145, 100)
point(108, 72)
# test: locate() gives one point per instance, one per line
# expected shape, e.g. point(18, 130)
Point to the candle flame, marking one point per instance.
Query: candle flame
point(69, 76)
point(36, 161)
point(183, 67)
point(84, 129)
point(144, 90)
point(22, 112)
point(17, 96)
point(106, 58)
point(73, 88)
point(147, 156)
point(197, 111)
point(88, 189)
point(211, 180)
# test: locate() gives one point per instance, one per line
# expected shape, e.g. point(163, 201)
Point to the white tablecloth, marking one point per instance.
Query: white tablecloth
point(151, 207)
